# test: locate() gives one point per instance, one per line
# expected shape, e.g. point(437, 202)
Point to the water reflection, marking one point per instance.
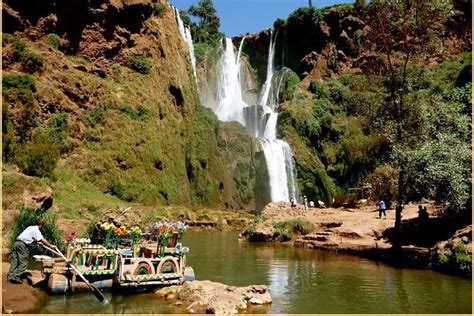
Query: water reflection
point(300, 281)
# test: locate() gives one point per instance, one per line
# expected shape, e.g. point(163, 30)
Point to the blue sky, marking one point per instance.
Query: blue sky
point(250, 16)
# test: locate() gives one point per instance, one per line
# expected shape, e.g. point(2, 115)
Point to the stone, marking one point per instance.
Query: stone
point(255, 301)
point(217, 298)
point(259, 289)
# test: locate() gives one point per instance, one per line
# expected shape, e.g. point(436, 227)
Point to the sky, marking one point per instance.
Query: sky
point(251, 16)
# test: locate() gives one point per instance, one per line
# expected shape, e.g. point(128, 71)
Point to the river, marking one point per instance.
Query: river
point(299, 280)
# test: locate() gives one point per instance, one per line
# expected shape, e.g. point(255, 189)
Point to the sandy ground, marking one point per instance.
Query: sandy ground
point(339, 228)
point(18, 298)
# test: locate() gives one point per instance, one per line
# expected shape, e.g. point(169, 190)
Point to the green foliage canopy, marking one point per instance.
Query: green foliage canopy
point(207, 30)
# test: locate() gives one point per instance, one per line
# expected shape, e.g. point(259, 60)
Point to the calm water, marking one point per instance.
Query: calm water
point(299, 280)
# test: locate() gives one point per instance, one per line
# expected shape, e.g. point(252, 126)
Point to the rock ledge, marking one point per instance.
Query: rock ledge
point(206, 297)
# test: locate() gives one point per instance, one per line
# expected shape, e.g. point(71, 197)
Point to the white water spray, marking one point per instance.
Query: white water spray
point(186, 34)
point(229, 91)
point(277, 152)
point(263, 118)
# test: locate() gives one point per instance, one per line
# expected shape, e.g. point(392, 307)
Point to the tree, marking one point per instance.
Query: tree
point(403, 31)
point(209, 22)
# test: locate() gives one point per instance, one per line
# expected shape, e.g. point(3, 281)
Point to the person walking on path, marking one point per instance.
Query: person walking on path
point(21, 250)
point(305, 202)
point(382, 209)
point(293, 202)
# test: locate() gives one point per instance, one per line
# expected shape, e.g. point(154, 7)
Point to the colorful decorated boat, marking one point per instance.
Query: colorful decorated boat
point(129, 260)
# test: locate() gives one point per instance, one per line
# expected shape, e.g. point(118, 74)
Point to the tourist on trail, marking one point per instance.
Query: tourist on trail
point(293, 202)
point(21, 250)
point(382, 209)
point(305, 202)
point(422, 215)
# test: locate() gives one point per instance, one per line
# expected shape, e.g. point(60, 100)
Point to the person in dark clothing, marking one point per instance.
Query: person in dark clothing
point(422, 215)
point(293, 202)
point(21, 250)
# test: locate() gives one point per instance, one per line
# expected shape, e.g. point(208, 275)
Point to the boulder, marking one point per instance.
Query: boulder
point(206, 297)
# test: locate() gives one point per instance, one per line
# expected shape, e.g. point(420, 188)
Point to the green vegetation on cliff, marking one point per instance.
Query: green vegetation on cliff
point(123, 118)
point(341, 129)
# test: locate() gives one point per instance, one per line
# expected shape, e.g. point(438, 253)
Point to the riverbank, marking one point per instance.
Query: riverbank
point(360, 231)
point(19, 298)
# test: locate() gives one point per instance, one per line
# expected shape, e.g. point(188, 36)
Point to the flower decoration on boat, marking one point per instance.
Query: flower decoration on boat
point(71, 237)
point(164, 231)
point(136, 233)
point(121, 231)
point(107, 226)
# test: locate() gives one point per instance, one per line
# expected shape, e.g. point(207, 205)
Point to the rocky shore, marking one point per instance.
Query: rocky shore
point(206, 297)
point(19, 298)
point(360, 231)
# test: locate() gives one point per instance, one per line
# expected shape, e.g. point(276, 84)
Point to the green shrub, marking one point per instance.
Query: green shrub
point(92, 208)
point(305, 16)
point(6, 39)
point(464, 263)
point(32, 62)
point(443, 258)
point(116, 70)
point(19, 48)
point(359, 37)
point(39, 156)
point(8, 135)
point(455, 259)
point(282, 233)
point(159, 9)
point(139, 63)
point(279, 23)
point(128, 111)
point(29, 216)
point(53, 39)
point(58, 131)
point(116, 188)
point(94, 116)
point(78, 59)
point(26, 111)
point(200, 50)
point(297, 226)
point(292, 82)
point(318, 89)
point(142, 113)
point(14, 81)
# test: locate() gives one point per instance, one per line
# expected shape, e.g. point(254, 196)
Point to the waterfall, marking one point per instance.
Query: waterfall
point(231, 105)
point(261, 119)
point(186, 34)
point(277, 152)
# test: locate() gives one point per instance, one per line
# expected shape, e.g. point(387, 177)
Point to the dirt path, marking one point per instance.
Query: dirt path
point(352, 230)
point(19, 298)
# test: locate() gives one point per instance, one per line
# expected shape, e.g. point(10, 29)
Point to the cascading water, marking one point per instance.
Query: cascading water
point(186, 34)
point(231, 105)
point(277, 152)
point(260, 120)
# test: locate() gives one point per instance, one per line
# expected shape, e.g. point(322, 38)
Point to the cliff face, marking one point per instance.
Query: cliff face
point(340, 87)
point(118, 72)
point(334, 43)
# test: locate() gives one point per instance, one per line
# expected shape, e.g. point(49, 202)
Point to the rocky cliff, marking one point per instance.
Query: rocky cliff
point(334, 92)
point(110, 84)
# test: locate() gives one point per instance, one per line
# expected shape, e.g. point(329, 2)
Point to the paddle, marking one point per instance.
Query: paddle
point(98, 294)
